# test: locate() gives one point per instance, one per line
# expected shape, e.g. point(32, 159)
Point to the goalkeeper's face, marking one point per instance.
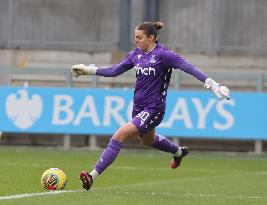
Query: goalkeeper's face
point(144, 42)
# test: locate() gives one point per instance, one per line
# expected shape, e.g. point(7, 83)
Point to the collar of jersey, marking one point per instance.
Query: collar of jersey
point(156, 45)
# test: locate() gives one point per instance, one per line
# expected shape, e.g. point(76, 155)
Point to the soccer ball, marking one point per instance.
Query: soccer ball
point(54, 179)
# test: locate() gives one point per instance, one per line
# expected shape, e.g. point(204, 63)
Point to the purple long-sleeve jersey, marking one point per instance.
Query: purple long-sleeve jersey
point(153, 74)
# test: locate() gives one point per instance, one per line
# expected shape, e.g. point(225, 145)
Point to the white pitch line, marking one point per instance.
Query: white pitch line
point(10, 197)
point(18, 196)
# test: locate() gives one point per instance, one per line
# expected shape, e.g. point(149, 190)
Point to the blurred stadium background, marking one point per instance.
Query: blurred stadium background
point(41, 39)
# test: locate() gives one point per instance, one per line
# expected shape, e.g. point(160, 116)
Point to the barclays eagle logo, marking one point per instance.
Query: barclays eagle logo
point(22, 110)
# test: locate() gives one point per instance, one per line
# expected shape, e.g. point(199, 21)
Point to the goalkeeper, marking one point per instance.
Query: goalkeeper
point(153, 64)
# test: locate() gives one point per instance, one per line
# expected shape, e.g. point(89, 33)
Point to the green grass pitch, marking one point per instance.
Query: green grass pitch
point(140, 177)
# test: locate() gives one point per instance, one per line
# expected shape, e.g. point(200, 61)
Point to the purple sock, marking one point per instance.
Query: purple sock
point(164, 144)
point(108, 156)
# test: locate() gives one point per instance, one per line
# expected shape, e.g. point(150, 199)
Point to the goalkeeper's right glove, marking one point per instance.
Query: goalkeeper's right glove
point(81, 69)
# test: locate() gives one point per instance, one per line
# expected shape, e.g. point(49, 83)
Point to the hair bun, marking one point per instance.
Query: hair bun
point(158, 25)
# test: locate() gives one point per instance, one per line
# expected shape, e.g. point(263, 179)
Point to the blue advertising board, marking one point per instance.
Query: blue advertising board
point(102, 111)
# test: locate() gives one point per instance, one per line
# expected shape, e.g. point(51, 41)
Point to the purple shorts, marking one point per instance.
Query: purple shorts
point(146, 119)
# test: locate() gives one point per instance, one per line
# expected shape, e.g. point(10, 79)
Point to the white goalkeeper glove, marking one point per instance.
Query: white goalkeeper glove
point(81, 69)
point(219, 90)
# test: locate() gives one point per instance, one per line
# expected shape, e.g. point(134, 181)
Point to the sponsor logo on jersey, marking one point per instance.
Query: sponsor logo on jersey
point(145, 71)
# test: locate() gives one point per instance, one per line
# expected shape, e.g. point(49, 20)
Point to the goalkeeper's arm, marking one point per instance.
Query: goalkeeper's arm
point(112, 71)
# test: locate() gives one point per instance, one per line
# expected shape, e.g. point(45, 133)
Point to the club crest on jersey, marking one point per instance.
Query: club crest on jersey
point(152, 59)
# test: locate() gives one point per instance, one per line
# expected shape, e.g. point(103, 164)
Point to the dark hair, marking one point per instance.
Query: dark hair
point(150, 28)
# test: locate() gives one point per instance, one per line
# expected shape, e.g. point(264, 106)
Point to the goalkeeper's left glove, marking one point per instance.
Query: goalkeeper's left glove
point(81, 69)
point(219, 90)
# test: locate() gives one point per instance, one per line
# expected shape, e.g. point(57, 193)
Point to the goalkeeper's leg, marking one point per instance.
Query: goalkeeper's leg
point(109, 154)
point(146, 121)
point(164, 144)
point(107, 157)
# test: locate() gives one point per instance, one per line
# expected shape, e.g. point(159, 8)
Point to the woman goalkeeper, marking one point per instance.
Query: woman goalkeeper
point(153, 64)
